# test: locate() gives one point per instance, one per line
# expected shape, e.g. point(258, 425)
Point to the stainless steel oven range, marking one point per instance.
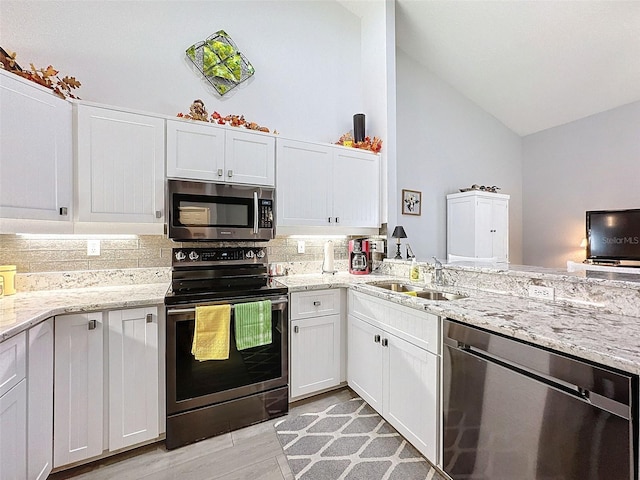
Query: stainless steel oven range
point(207, 398)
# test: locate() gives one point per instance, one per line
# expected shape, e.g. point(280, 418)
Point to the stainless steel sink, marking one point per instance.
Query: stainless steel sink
point(398, 287)
point(435, 295)
point(417, 291)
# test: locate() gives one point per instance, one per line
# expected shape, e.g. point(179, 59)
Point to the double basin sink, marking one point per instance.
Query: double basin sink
point(417, 291)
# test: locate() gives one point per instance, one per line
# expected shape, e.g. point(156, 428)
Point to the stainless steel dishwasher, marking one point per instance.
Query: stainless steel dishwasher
point(513, 411)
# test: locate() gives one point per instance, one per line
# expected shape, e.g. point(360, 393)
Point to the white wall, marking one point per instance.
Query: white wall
point(446, 142)
point(589, 164)
point(132, 54)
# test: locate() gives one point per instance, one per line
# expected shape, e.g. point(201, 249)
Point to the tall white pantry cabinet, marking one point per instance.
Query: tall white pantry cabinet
point(478, 225)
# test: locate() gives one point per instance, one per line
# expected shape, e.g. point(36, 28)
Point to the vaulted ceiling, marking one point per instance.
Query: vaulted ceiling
point(531, 64)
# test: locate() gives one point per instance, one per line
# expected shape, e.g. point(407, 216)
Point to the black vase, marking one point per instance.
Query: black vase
point(358, 127)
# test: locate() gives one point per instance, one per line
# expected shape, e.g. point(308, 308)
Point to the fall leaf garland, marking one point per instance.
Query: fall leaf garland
point(47, 77)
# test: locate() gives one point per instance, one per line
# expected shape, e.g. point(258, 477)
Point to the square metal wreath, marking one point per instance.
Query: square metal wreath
point(219, 60)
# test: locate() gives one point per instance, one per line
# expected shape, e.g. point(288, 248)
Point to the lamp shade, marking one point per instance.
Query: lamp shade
point(399, 232)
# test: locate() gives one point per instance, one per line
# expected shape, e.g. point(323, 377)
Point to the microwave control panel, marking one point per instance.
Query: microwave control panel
point(265, 214)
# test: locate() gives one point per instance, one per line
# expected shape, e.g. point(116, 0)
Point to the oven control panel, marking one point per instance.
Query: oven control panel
point(219, 255)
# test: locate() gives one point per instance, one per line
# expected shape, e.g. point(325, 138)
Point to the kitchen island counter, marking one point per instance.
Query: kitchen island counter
point(584, 332)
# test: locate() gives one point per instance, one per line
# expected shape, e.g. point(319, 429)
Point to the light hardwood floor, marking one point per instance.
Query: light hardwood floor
point(251, 453)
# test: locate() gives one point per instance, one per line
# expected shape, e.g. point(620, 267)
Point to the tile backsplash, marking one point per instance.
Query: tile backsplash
point(33, 255)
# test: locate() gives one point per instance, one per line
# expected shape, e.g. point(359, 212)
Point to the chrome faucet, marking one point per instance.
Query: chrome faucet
point(439, 280)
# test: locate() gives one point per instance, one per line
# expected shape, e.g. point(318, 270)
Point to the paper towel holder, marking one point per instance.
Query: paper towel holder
point(328, 245)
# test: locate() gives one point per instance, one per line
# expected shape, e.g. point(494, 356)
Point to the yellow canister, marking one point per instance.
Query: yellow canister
point(8, 273)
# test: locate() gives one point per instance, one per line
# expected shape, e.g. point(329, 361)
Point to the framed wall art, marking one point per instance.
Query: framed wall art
point(411, 202)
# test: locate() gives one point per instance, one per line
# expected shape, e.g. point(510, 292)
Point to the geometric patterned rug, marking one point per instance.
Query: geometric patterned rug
point(349, 441)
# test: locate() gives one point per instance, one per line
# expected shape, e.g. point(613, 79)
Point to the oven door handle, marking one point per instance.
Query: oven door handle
point(176, 311)
point(255, 213)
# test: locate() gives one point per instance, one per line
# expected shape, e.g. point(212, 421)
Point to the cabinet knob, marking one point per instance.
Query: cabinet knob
point(149, 317)
point(376, 339)
point(63, 210)
point(220, 172)
point(296, 329)
point(385, 342)
point(93, 324)
point(230, 173)
point(317, 303)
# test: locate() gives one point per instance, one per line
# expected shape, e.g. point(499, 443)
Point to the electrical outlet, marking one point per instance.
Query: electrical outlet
point(93, 247)
point(544, 293)
point(300, 246)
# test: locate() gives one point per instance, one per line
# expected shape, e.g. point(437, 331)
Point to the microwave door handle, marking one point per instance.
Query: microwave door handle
point(255, 213)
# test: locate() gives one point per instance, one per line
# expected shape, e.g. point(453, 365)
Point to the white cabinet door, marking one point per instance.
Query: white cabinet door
point(195, 151)
point(13, 433)
point(133, 376)
point(356, 188)
point(13, 363)
point(36, 153)
point(315, 354)
point(78, 394)
point(365, 361)
point(40, 401)
point(250, 158)
point(410, 393)
point(304, 174)
point(121, 158)
point(500, 216)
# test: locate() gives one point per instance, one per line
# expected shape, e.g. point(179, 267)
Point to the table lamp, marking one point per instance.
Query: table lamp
point(398, 233)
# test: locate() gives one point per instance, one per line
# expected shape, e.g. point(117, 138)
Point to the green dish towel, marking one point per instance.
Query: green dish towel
point(253, 324)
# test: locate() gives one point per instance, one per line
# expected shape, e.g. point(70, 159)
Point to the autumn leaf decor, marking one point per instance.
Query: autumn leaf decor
point(47, 77)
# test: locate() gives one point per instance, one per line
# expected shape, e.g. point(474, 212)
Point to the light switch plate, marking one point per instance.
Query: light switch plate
point(545, 293)
point(93, 247)
point(300, 246)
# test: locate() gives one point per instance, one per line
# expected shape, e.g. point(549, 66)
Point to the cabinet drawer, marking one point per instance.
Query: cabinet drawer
point(315, 303)
point(12, 362)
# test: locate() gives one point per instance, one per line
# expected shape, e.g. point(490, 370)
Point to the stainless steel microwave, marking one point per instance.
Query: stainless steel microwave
point(208, 211)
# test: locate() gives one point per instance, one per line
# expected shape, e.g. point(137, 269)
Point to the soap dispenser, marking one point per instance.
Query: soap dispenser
point(414, 273)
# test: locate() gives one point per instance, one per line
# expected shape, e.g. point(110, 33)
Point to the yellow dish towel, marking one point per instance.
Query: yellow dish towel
point(211, 333)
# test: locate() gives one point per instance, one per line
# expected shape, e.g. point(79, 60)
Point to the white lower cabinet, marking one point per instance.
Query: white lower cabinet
point(13, 434)
point(316, 342)
point(393, 365)
point(13, 408)
point(40, 401)
point(133, 379)
point(78, 397)
point(89, 360)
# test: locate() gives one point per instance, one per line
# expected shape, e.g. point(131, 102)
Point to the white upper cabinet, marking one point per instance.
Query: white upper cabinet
point(120, 164)
point(35, 151)
point(326, 186)
point(478, 225)
point(201, 151)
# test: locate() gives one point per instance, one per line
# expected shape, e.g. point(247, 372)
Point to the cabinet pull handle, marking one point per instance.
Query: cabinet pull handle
point(329, 219)
point(220, 172)
point(149, 317)
point(317, 303)
point(376, 339)
point(296, 329)
point(93, 324)
point(230, 173)
point(337, 219)
point(63, 210)
point(385, 342)
point(158, 214)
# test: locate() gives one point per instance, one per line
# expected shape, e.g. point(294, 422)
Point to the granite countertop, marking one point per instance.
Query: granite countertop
point(21, 311)
point(608, 339)
point(604, 338)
